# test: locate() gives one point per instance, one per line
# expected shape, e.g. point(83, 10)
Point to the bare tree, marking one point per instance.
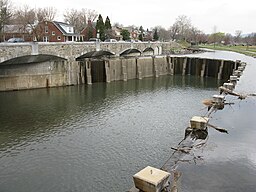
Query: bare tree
point(91, 14)
point(71, 17)
point(46, 14)
point(181, 28)
point(25, 16)
point(29, 18)
point(194, 35)
point(174, 29)
point(238, 36)
point(202, 38)
point(5, 15)
point(164, 35)
point(79, 18)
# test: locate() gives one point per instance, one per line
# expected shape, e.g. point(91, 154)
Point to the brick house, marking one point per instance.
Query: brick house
point(88, 32)
point(134, 33)
point(53, 31)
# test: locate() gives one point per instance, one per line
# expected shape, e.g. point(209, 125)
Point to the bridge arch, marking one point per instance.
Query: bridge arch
point(33, 71)
point(30, 59)
point(131, 52)
point(148, 51)
point(95, 54)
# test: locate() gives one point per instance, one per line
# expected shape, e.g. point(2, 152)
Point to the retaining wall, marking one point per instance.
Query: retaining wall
point(63, 73)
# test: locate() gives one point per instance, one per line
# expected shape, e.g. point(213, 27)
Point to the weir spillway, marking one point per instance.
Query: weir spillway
point(44, 71)
point(116, 69)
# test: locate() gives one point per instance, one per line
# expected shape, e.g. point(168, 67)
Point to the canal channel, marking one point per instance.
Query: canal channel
point(96, 137)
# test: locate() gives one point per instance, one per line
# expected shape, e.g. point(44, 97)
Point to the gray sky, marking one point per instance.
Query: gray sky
point(227, 15)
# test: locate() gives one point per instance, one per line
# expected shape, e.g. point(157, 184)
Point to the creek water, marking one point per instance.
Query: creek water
point(94, 138)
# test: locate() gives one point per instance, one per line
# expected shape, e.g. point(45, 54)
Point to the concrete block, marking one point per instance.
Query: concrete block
point(237, 73)
point(241, 68)
point(233, 78)
point(218, 99)
point(229, 86)
point(198, 122)
point(151, 179)
point(243, 64)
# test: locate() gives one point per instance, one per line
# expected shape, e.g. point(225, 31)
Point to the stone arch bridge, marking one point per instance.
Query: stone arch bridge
point(72, 50)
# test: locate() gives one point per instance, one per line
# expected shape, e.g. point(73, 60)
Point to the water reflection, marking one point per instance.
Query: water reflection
point(26, 114)
point(94, 138)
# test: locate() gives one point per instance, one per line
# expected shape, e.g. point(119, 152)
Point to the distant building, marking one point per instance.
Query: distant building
point(134, 33)
point(53, 31)
point(148, 36)
point(117, 31)
point(16, 31)
point(88, 32)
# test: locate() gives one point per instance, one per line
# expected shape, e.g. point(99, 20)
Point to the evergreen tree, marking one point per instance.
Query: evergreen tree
point(107, 24)
point(155, 36)
point(100, 27)
point(5, 15)
point(141, 36)
point(126, 35)
point(141, 29)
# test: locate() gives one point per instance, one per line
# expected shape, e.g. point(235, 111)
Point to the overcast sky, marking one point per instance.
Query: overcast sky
point(227, 15)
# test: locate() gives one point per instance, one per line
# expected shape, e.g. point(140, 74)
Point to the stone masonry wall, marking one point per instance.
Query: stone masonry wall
point(72, 50)
point(40, 75)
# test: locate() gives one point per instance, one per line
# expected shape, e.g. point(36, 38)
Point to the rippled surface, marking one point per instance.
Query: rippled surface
point(94, 138)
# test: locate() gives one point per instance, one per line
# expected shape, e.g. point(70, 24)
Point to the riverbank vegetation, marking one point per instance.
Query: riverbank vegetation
point(244, 49)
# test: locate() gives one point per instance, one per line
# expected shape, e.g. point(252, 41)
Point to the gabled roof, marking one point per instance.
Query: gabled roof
point(14, 29)
point(92, 25)
point(58, 25)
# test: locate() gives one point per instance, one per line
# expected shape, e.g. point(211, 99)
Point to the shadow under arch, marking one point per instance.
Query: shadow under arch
point(148, 51)
point(95, 54)
point(30, 59)
point(131, 52)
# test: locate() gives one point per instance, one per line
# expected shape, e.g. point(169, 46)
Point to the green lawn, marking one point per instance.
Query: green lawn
point(250, 50)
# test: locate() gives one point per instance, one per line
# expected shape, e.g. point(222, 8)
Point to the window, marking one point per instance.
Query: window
point(46, 29)
point(45, 39)
point(69, 29)
point(53, 33)
point(59, 38)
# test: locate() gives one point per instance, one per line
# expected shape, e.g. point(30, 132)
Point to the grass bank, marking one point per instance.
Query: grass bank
point(247, 50)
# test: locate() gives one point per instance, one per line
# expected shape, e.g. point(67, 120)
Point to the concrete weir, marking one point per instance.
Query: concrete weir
point(220, 69)
point(102, 66)
point(125, 68)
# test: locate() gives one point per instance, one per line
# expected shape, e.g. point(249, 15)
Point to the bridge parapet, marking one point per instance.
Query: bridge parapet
point(72, 50)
